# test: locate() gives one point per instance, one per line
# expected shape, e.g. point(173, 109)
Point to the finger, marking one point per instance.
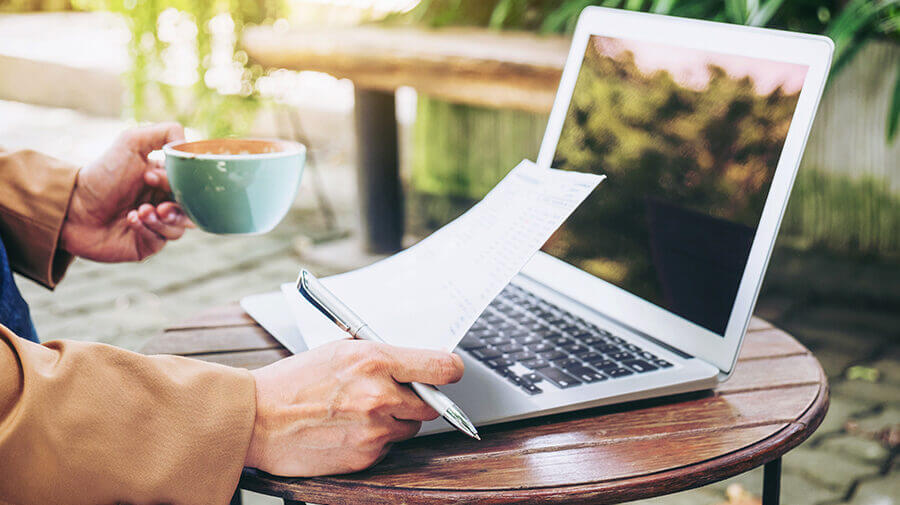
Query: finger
point(151, 220)
point(381, 454)
point(150, 138)
point(411, 407)
point(172, 213)
point(150, 238)
point(158, 178)
point(422, 365)
point(402, 429)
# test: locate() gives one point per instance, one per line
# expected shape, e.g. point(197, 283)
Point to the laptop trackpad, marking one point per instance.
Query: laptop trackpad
point(483, 396)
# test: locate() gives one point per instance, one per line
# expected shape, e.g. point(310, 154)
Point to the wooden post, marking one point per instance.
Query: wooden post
point(378, 171)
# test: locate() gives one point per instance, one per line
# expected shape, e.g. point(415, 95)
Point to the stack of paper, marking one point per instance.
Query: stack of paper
point(430, 294)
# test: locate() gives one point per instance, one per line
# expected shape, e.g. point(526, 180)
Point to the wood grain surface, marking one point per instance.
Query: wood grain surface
point(462, 65)
point(776, 398)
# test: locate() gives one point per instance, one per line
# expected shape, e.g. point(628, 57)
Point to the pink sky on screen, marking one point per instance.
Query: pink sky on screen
point(689, 66)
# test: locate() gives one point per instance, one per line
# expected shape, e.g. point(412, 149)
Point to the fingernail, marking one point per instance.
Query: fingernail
point(152, 178)
point(152, 218)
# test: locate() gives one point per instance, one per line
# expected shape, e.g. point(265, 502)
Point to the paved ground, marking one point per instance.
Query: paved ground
point(846, 312)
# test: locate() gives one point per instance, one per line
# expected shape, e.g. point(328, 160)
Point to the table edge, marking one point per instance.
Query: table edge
point(602, 492)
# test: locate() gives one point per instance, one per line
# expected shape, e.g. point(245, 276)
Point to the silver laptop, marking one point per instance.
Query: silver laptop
point(648, 288)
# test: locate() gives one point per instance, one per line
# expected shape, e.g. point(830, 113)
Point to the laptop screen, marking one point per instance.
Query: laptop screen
point(689, 140)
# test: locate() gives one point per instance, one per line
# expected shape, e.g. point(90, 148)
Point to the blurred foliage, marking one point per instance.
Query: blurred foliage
point(848, 23)
point(443, 164)
point(713, 151)
point(862, 208)
point(450, 170)
point(201, 106)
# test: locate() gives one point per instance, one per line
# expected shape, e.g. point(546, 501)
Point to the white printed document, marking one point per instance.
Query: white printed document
point(430, 294)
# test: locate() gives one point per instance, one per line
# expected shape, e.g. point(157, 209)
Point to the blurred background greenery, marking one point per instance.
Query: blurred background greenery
point(848, 206)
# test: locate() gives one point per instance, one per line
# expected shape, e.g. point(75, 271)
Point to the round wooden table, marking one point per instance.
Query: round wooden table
point(776, 398)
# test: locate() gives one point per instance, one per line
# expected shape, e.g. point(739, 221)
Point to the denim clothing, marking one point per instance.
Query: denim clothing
point(14, 312)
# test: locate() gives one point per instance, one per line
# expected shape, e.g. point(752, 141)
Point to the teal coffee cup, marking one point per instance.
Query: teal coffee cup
point(235, 185)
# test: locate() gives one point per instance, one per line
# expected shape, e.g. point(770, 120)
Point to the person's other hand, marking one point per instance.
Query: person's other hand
point(118, 210)
point(337, 408)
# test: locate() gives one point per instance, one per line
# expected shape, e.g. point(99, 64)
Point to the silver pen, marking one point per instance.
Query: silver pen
point(335, 310)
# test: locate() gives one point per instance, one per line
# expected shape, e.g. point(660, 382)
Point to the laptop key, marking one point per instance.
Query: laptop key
point(551, 355)
point(632, 348)
point(604, 364)
point(521, 356)
point(621, 356)
point(541, 347)
point(528, 339)
point(608, 348)
point(617, 372)
point(499, 363)
point(584, 350)
point(591, 356)
point(510, 348)
point(497, 340)
point(554, 336)
point(535, 364)
point(559, 378)
point(575, 348)
point(588, 339)
point(586, 374)
point(533, 377)
point(515, 379)
point(662, 363)
point(649, 356)
point(639, 366)
point(562, 342)
point(532, 389)
point(486, 353)
point(567, 363)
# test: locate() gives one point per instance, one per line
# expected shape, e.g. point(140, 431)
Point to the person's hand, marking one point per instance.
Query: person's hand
point(118, 210)
point(337, 408)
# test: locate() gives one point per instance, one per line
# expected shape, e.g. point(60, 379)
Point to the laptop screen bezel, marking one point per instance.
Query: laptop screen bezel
point(810, 50)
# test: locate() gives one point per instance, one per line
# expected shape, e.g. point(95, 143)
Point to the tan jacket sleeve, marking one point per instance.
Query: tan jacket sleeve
point(34, 195)
point(88, 423)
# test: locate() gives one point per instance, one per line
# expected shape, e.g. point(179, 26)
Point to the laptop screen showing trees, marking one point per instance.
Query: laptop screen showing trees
point(689, 140)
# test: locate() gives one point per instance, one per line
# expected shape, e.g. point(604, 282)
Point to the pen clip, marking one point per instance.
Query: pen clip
point(304, 287)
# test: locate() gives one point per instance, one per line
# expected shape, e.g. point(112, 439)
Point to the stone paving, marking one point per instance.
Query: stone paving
point(845, 312)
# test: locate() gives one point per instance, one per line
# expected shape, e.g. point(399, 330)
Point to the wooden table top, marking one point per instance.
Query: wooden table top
point(515, 70)
point(776, 398)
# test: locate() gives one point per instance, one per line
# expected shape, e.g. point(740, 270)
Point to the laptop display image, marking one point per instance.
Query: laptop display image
point(689, 140)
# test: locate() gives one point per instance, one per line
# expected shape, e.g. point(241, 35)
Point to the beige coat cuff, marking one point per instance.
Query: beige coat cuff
point(35, 190)
point(87, 423)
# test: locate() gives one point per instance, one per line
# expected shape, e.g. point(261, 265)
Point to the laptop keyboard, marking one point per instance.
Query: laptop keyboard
point(530, 341)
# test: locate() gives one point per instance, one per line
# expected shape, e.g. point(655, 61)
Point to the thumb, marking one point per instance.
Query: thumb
point(150, 138)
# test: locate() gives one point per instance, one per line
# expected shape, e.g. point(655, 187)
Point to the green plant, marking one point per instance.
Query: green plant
point(199, 105)
point(849, 23)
